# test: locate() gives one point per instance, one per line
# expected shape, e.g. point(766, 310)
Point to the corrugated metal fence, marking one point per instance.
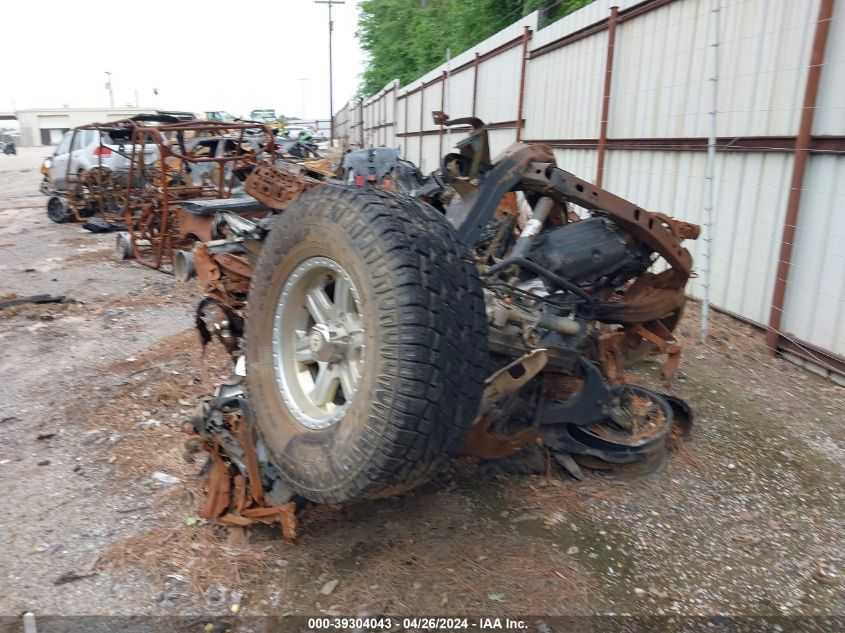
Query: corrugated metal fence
point(621, 91)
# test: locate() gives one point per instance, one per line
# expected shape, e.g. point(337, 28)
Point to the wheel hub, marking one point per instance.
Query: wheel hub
point(327, 345)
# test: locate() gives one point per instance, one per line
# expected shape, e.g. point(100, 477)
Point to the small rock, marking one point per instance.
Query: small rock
point(747, 540)
point(572, 550)
point(164, 478)
point(639, 592)
point(417, 586)
point(235, 599)
point(216, 595)
point(329, 587)
point(94, 436)
point(44, 462)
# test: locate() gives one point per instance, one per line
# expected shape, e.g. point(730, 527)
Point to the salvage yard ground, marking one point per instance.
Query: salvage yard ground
point(100, 497)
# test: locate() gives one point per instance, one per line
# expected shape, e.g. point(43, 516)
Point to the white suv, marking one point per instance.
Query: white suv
point(81, 150)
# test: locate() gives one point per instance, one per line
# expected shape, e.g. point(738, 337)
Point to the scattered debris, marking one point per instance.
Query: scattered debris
point(329, 587)
point(164, 478)
point(73, 576)
point(32, 299)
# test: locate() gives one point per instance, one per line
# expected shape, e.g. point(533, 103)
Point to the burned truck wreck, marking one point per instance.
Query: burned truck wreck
point(377, 334)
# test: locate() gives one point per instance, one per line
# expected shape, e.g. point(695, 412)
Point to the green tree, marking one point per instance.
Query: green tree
point(405, 39)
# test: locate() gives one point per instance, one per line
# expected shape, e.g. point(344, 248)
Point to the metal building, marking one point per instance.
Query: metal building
point(41, 127)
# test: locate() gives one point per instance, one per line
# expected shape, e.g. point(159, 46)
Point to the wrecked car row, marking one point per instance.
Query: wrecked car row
point(156, 179)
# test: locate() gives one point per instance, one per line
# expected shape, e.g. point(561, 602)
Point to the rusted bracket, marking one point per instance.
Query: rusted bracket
point(480, 440)
point(644, 225)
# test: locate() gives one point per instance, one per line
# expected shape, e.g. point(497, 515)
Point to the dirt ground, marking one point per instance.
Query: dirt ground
point(746, 518)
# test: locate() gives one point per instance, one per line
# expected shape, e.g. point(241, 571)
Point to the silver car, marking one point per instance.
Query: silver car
point(82, 150)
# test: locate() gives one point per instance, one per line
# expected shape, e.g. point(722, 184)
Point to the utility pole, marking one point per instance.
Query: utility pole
point(108, 87)
point(331, 82)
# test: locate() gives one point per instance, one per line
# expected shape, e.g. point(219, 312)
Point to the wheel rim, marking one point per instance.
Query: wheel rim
point(318, 342)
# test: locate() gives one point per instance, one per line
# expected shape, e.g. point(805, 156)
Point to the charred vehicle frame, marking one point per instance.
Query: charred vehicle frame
point(389, 332)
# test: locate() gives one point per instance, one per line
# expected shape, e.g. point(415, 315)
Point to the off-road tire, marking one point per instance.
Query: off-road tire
point(425, 352)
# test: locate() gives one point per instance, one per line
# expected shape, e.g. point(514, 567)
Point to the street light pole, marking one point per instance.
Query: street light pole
point(331, 82)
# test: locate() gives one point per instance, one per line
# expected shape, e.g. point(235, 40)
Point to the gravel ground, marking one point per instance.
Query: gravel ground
point(746, 519)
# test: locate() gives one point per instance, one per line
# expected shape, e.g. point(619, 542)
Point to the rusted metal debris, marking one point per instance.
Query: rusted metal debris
point(235, 495)
point(278, 186)
point(569, 300)
point(197, 161)
point(176, 170)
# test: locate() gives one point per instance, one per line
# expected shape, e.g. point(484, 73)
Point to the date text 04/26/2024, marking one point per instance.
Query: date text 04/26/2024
point(415, 624)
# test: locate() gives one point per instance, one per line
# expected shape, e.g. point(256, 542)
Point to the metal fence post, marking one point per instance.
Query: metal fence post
point(802, 146)
point(707, 266)
point(605, 104)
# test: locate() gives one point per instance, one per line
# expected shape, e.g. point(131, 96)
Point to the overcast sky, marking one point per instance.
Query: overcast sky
point(233, 56)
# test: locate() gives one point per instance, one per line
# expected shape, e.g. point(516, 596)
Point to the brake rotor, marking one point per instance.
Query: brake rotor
point(631, 442)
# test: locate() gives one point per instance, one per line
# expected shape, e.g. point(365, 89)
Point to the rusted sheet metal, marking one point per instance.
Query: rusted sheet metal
point(484, 442)
point(238, 500)
point(235, 264)
point(207, 271)
point(277, 187)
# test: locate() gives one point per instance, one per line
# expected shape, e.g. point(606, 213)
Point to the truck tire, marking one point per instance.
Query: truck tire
point(366, 343)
